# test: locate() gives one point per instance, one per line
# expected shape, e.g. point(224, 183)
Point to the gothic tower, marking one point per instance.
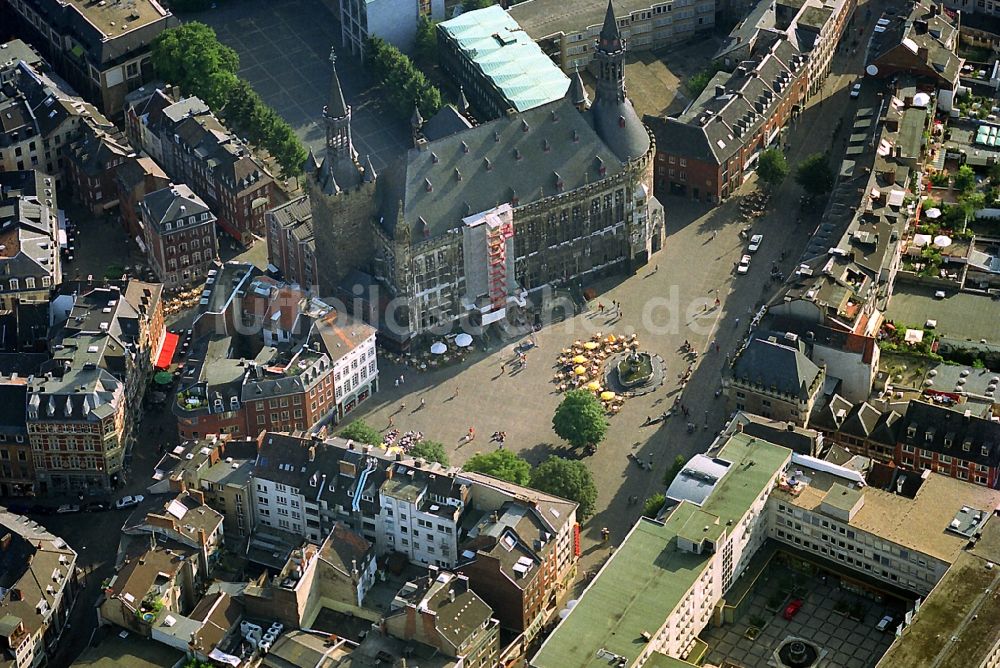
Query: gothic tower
point(337, 119)
point(610, 58)
point(340, 168)
point(342, 197)
point(612, 113)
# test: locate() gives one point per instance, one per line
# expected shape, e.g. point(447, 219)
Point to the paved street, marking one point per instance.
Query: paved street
point(663, 303)
point(284, 50)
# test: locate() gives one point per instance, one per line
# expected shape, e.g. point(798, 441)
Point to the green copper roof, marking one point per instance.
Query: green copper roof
point(505, 54)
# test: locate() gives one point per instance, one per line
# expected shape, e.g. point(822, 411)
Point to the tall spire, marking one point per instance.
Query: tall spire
point(610, 39)
point(577, 91)
point(610, 59)
point(336, 107)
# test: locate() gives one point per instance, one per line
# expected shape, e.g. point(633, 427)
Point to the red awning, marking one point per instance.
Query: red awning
point(166, 355)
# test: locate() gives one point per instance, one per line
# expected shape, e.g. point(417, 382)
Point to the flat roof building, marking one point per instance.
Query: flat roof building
point(666, 570)
point(566, 29)
point(496, 62)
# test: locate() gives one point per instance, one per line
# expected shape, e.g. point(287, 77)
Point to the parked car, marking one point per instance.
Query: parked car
point(856, 90)
point(744, 265)
point(792, 608)
point(96, 506)
point(755, 242)
point(68, 508)
point(885, 623)
point(128, 502)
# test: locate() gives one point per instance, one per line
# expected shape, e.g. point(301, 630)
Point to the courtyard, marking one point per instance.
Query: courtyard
point(833, 619)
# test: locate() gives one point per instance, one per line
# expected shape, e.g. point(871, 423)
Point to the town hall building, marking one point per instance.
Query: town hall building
point(474, 220)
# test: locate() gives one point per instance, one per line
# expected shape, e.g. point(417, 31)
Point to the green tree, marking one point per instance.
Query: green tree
point(191, 56)
point(362, 432)
point(432, 451)
point(994, 173)
point(653, 504)
point(699, 82)
point(473, 5)
point(404, 85)
point(814, 175)
point(772, 168)
point(965, 179)
point(502, 464)
point(674, 469)
point(425, 46)
point(579, 419)
point(569, 479)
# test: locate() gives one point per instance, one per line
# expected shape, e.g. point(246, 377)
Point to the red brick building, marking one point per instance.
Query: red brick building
point(290, 242)
point(136, 178)
point(950, 442)
point(179, 233)
point(92, 163)
point(708, 151)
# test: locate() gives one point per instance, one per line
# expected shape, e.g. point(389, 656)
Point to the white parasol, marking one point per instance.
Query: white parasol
point(933, 213)
point(439, 348)
point(463, 340)
point(942, 241)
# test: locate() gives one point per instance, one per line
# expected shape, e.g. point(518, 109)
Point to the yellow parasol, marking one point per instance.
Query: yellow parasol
point(593, 386)
point(579, 359)
point(580, 371)
point(591, 345)
point(607, 395)
point(611, 338)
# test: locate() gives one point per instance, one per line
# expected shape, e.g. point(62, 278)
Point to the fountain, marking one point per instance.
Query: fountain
point(636, 369)
point(798, 653)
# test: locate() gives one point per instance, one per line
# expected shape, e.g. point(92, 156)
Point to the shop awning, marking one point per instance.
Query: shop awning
point(167, 351)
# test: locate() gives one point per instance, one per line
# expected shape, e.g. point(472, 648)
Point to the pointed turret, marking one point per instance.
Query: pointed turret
point(336, 107)
point(416, 120)
point(463, 102)
point(340, 168)
point(369, 176)
point(614, 117)
point(578, 92)
point(610, 39)
point(312, 163)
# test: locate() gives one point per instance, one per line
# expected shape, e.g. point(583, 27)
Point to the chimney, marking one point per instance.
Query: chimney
point(720, 92)
point(312, 453)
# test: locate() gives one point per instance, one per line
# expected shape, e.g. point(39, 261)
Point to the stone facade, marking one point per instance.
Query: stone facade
point(576, 178)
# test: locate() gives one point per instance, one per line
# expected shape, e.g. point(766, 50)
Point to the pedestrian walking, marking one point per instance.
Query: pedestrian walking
point(651, 462)
point(397, 382)
point(717, 347)
point(717, 302)
point(600, 307)
point(402, 407)
point(401, 379)
point(471, 436)
point(503, 367)
point(423, 402)
point(390, 420)
point(455, 395)
point(605, 534)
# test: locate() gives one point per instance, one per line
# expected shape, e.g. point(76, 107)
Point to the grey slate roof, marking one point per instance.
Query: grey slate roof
point(921, 30)
point(943, 423)
point(714, 127)
point(776, 364)
point(424, 183)
point(164, 206)
point(445, 123)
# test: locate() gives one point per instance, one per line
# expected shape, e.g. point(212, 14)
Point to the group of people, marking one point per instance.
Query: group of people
point(406, 441)
point(499, 437)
